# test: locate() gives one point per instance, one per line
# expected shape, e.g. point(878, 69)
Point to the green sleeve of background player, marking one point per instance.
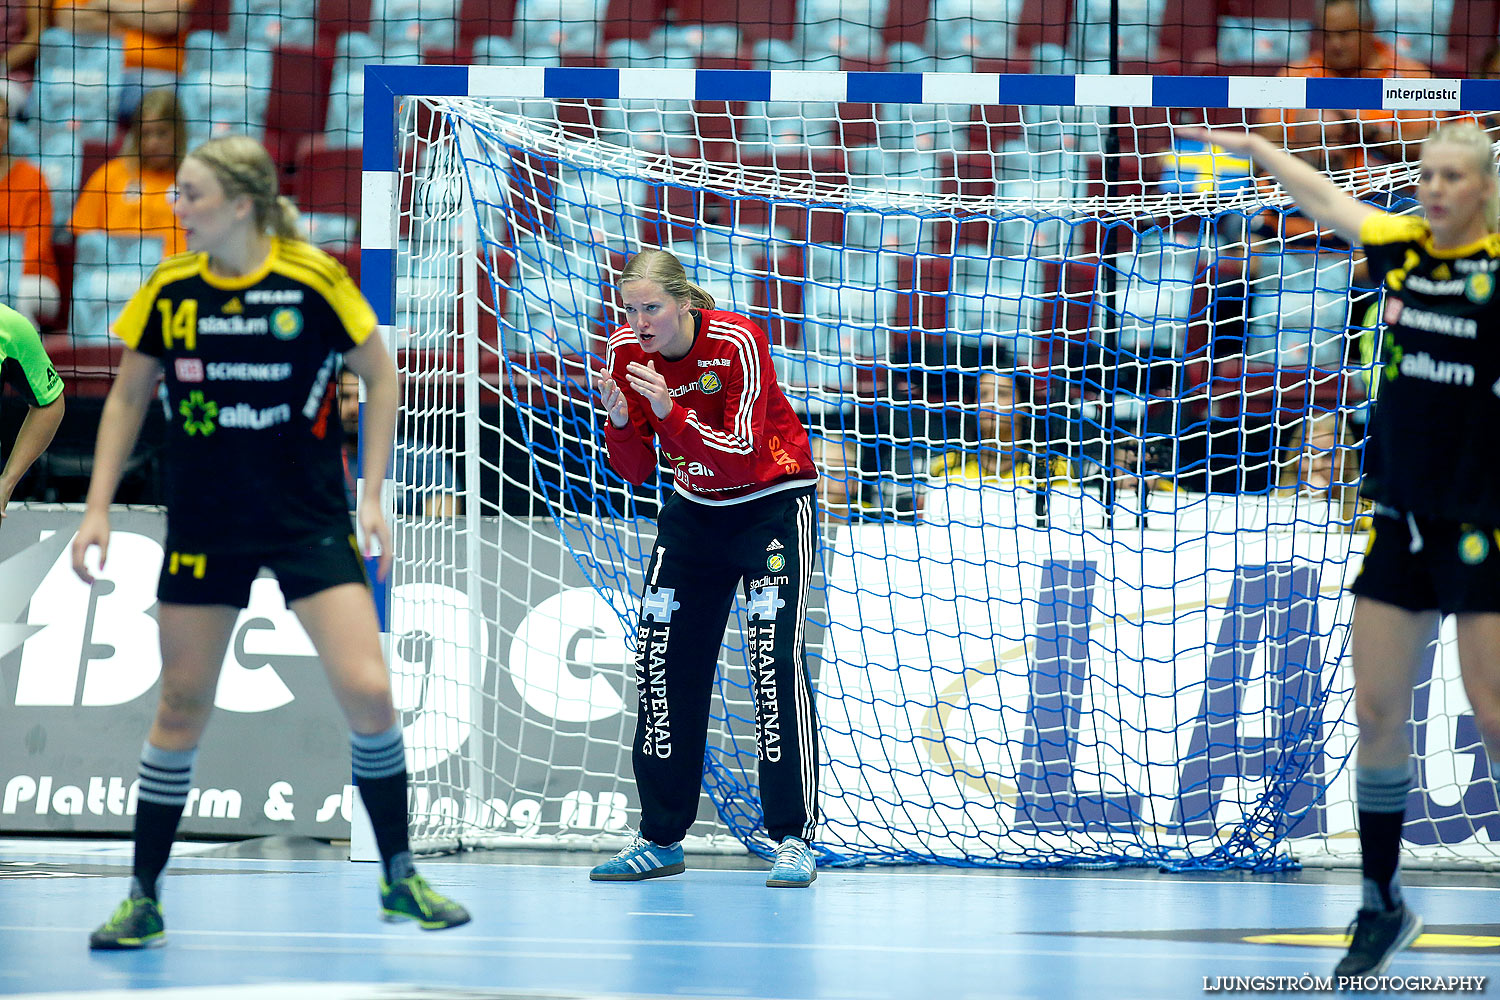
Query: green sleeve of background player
point(25, 363)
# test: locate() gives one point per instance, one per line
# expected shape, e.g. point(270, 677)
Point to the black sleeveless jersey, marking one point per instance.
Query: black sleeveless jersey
point(1430, 449)
point(253, 441)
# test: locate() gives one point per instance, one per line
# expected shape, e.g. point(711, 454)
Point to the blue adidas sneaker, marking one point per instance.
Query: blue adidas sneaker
point(794, 866)
point(641, 859)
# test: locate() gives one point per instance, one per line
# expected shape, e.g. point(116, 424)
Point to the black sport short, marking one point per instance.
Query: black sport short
point(1422, 564)
point(302, 569)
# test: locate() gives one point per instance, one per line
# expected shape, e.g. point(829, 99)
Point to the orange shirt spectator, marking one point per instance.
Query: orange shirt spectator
point(131, 194)
point(1350, 140)
point(1353, 139)
point(153, 31)
point(26, 208)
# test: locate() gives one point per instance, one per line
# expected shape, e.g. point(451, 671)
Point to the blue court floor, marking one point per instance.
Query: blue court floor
point(287, 924)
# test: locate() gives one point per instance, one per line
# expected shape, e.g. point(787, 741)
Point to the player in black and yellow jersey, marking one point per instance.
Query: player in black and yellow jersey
point(1432, 471)
point(247, 329)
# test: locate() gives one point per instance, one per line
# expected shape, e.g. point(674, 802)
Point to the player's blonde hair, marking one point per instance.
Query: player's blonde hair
point(667, 271)
point(243, 167)
point(1469, 137)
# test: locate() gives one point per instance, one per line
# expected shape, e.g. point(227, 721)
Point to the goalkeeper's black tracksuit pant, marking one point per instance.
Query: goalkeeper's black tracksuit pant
point(703, 553)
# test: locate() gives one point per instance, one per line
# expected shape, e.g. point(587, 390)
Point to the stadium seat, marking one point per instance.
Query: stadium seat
point(712, 41)
point(1299, 309)
point(1471, 33)
point(95, 154)
point(269, 24)
point(906, 21)
point(909, 57)
point(107, 272)
point(495, 50)
point(87, 369)
point(1043, 22)
point(756, 19)
point(79, 83)
point(1189, 33)
point(1243, 386)
point(558, 300)
point(595, 207)
point(973, 27)
point(346, 97)
point(1267, 44)
point(12, 258)
point(530, 11)
point(1417, 29)
point(719, 265)
point(921, 302)
point(1156, 282)
point(627, 52)
point(403, 28)
point(925, 128)
point(1139, 26)
point(672, 214)
point(774, 126)
point(328, 178)
point(297, 107)
point(993, 290)
point(993, 126)
point(848, 301)
point(60, 159)
point(871, 12)
point(485, 18)
point(633, 18)
point(562, 37)
point(840, 38)
point(332, 231)
point(223, 87)
point(653, 129)
point(209, 15)
point(776, 299)
point(337, 18)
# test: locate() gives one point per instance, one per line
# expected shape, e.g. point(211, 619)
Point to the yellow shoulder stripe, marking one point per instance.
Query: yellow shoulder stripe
point(1382, 228)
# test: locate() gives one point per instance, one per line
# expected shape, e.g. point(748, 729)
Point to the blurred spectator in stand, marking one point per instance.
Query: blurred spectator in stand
point(1304, 323)
point(1489, 64)
point(153, 33)
point(999, 454)
point(26, 213)
point(1319, 461)
point(1350, 48)
point(835, 452)
point(1315, 459)
point(1302, 280)
point(131, 195)
point(24, 21)
point(1489, 69)
point(425, 481)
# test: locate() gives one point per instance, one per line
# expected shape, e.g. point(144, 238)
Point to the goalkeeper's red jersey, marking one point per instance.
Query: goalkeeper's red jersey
point(732, 435)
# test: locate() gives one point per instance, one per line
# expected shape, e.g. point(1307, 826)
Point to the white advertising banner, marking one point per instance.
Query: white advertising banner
point(78, 675)
point(1081, 684)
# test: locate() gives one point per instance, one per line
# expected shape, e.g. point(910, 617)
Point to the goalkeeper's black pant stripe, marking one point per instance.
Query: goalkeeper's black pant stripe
point(703, 555)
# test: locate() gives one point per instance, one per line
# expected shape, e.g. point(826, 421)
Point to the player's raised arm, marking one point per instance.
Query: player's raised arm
point(1321, 199)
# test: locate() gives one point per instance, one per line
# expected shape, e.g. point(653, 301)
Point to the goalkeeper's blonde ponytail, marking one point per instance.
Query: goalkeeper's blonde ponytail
point(667, 271)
